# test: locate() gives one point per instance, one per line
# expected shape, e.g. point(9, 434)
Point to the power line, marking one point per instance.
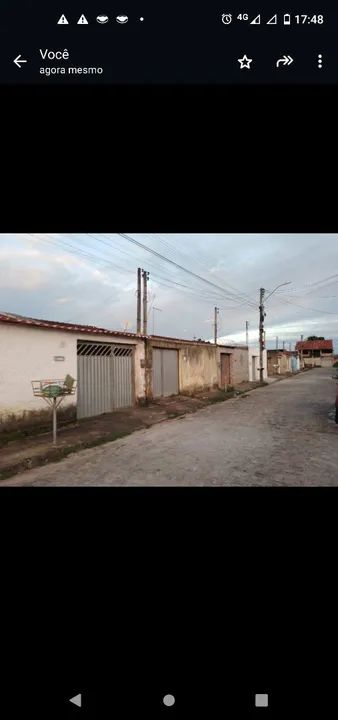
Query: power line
point(303, 307)
point(208, 296)
point(59, 242)
point(202, 266)
point(324, 312)
point(221, 291)
point(181, 267)
point(98, 260)
point(155, 273)
point(319, 284)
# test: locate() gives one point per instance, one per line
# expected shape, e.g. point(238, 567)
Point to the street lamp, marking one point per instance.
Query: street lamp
point(262, 315)
point(277, 288)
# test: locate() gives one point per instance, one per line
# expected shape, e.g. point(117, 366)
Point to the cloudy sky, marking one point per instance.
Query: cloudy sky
point(91, 279)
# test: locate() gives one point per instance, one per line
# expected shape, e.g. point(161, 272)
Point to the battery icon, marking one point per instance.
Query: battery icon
point(287, 19)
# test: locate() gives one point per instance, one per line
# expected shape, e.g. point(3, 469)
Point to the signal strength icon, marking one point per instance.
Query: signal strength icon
point(272, 21)
point(256, 20)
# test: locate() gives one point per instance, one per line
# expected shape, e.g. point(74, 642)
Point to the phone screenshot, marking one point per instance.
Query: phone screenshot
point(168, 359)
point(180, 43)
point(144, 356)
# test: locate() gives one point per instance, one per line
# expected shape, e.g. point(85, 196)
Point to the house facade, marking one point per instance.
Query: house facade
point(233, 365)
point(283, 362)
point(254, 364)
point(104, 363)
point(175, 366)
point(316, 353)
point(112, 369)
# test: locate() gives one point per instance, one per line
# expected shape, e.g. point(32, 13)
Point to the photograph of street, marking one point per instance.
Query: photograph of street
point(161, 359)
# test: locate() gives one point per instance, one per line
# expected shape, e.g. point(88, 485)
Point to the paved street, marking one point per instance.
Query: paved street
point(283, 434)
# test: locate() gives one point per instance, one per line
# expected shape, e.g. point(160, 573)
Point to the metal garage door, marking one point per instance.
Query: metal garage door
point(104, 378)
point(165, 372)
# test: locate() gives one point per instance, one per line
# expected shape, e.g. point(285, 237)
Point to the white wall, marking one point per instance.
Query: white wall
point(254, 352)
point(27, 353)
point(239, 370)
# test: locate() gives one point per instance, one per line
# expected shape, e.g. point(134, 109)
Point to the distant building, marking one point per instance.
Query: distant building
point(316, 353)
point(282, 362)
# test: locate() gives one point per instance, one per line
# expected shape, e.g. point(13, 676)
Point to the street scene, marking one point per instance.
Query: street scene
point(168, 360)
point(279, 435)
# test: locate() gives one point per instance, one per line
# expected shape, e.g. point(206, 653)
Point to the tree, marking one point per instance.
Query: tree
point(315, 337)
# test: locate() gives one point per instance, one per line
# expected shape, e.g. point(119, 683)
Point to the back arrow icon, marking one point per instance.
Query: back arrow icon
point(286, 60)
point(18, 60)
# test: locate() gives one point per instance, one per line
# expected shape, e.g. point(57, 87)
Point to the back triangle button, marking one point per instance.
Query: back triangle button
point(76, 700)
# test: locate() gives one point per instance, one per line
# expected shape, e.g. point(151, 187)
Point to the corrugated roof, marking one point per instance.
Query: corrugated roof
point(315, 345)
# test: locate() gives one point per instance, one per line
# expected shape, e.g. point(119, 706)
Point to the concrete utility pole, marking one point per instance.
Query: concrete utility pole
point(283, 345)
point(145, 276)
point(138, 313)
point(276, 343)
point(301, 352)
point(261, 333)
point(262, 315)
point(215, 323)
point(247, 333)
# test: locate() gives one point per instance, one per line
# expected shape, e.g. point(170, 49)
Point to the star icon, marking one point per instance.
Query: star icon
point(245, 62)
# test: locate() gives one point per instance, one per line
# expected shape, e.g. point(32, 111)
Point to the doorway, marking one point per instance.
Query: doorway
point(225, 370)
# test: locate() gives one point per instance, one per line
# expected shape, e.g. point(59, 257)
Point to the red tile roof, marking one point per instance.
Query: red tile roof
point(70, 327)
point(315, 345)
point(90, 329)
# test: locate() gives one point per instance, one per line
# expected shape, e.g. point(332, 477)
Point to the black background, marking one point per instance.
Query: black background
point(168, 159)
point(126, 595)
point(224, 592)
